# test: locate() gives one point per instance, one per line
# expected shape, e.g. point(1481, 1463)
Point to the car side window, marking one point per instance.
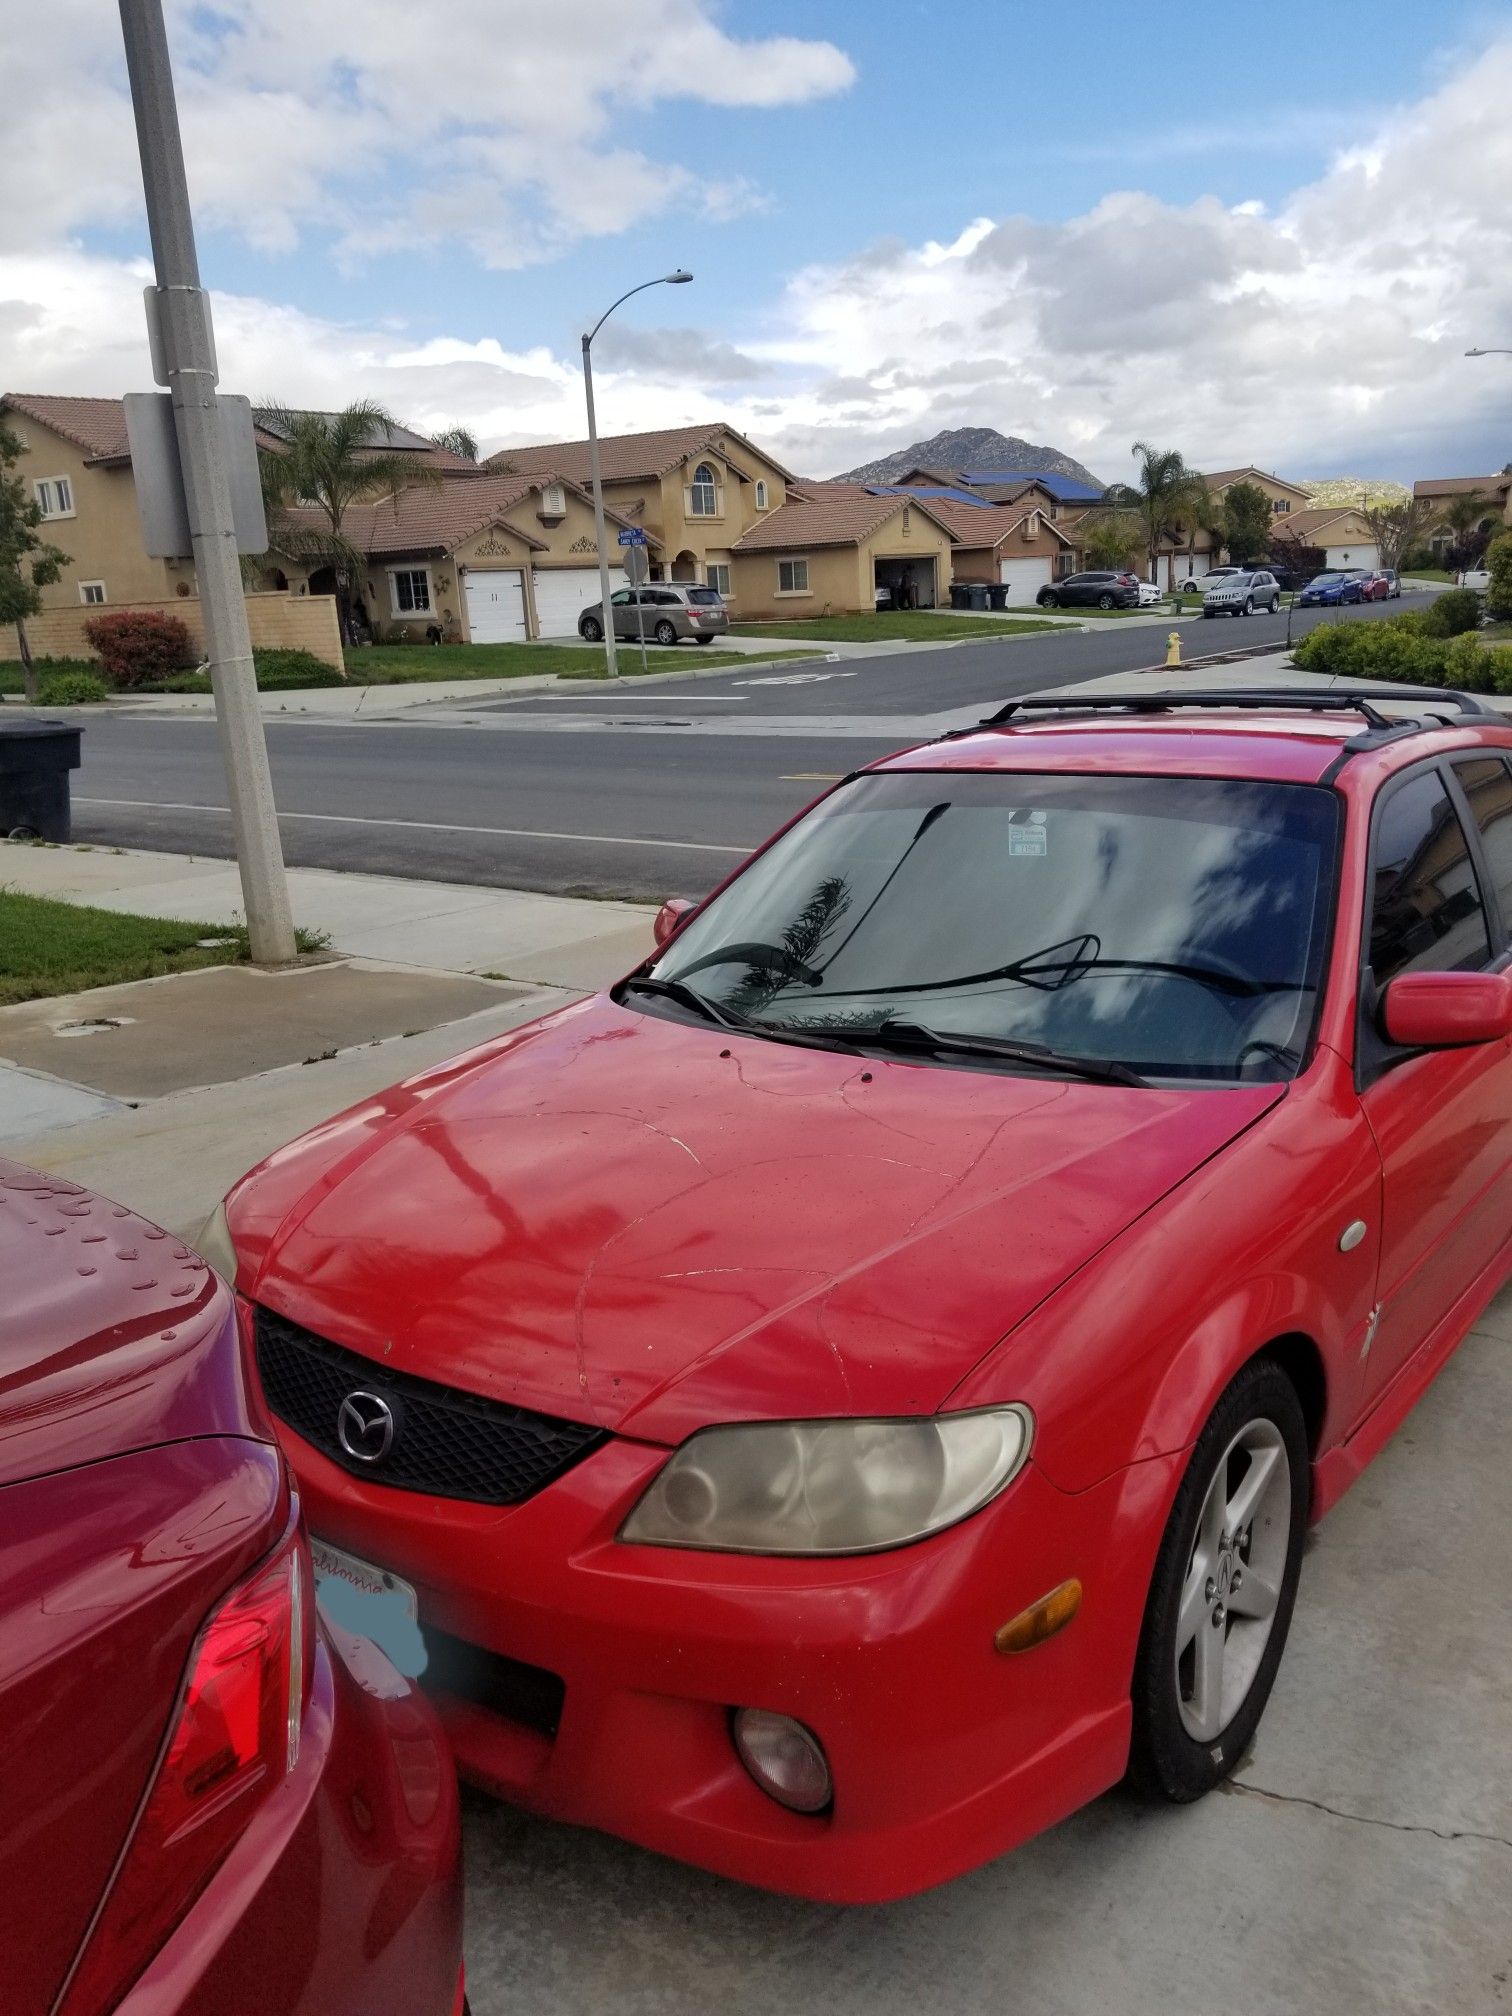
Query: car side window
point(621, 596)
point(1487, 784)
point(1426, 909)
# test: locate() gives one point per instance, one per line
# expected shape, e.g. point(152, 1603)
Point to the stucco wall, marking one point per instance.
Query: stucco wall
point(835, 584)
point(103, 538)
point(284, 622)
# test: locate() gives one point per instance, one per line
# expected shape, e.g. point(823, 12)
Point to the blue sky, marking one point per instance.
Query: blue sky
point(481, 176)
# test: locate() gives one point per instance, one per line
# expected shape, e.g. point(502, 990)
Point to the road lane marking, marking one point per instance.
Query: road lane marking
point(436, 826)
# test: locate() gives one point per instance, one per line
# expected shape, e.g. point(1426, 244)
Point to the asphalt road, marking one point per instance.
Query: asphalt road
point(637, 792)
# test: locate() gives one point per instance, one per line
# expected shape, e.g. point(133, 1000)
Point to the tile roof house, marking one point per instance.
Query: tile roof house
point(839, 548)
point(1442, 490)
point(697, 490)
point(1283, 497)
point(1340, 532)
point(483, 558)
point(1022, 549)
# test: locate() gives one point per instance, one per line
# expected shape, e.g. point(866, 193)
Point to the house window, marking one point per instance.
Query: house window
point(718, 573)
point(761, 494)
point(91, 591)
point(409, 591)
point(554, 501)
point(792, 577)
point(1280, 506)
point(703, 493)
point(55, 495)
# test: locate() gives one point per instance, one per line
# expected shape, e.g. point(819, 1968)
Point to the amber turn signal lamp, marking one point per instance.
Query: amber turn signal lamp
point(1041, 1620)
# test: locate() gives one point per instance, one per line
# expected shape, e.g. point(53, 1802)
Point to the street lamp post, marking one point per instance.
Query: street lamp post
point(1492, 352)
point(677, 279)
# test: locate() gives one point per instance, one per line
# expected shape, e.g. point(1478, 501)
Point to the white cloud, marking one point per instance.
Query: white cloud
point(1318, 331)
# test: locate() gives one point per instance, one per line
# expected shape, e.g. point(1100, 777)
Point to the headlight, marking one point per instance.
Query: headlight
point(829, 1487)
point(214, 1245)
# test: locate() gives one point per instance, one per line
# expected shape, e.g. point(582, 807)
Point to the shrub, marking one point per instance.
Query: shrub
point(1452, 613)
point(71, 689)
point(1499, 594)
point(279, 670)
point(137, 646)
point(1468, 665)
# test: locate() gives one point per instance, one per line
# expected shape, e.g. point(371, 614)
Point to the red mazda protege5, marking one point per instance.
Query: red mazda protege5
point(210, 1803)
point(838, 1400)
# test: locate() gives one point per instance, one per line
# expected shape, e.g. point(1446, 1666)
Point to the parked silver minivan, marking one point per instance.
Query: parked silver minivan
point(664, 612)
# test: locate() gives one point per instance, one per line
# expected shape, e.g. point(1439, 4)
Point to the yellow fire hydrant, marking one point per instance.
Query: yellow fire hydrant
point(1173, 648)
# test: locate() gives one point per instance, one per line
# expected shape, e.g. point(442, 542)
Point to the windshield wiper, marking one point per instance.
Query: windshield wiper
point(894, 1034)
point(690, 998)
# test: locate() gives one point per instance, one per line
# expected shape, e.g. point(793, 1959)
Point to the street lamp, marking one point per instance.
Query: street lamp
point(677, 279)
point(1493, 352)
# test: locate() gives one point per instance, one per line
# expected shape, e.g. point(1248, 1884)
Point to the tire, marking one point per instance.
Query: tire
point(1047, 600)
point(703, 640)
point(1207, 615)
point(1275, 604)
point(1249, 605)
point(1194, 1717)
point(591, 630)
point(665, 632)
point(1105, 602)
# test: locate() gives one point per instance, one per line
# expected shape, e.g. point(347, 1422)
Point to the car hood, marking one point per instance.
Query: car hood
point(620, 1218)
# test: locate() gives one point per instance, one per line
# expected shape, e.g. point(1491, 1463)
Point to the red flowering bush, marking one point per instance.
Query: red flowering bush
point(137, 646)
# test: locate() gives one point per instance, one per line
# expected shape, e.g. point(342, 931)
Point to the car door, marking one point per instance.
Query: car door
point(1442, 1119)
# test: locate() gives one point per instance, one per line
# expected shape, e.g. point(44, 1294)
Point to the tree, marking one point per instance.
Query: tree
point(27, 562)
point(1396, 527)
point(1246, 523)
point(1471, 519)
point(459, 441)
point(1171, 499)
point(326, 463)
point(1499, 594)
point(1112, 538)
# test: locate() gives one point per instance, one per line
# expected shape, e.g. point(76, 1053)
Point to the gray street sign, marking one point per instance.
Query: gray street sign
point(637, 564)
point(159, 483)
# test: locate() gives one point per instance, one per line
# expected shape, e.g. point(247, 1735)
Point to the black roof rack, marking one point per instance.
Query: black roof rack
point(1292, 699)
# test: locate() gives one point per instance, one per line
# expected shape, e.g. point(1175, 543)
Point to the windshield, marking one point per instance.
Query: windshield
point(1174, 925)
point(703, 595)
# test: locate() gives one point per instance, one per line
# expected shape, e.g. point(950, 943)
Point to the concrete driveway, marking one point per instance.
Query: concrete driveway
point(1362, 1862)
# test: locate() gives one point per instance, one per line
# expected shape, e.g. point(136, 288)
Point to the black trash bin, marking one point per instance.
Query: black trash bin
point(35, 759)
point(960, 595)
point(997, 593)
point(977, 590)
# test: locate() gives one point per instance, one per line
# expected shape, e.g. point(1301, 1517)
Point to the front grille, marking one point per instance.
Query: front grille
point(526, 1694)
point(447, 1443)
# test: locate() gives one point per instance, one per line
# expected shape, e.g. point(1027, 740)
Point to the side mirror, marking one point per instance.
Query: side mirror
point(1441, 1011)
point(670, 916)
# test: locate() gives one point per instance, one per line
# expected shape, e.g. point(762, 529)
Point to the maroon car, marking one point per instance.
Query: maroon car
point(213, 1803)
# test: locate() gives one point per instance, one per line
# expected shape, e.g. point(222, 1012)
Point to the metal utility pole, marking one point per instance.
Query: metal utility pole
point(189, 370)
point(677, 279)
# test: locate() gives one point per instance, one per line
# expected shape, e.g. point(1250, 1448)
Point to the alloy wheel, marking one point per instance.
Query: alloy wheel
point(1233, 1580)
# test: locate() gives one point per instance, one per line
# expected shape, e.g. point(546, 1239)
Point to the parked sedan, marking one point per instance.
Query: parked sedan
point(805, 1416)
point(1375, 586)
point(666, 612)
point(1333, 588)
point(1103, 588)
point(1151, 595)
point(1242, 594)
point(214, 1804)
point(1194, 583)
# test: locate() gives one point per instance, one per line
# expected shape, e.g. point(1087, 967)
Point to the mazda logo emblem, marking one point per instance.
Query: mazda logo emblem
point(365, 1427)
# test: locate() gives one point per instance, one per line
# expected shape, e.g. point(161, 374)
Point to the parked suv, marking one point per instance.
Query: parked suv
point(1103, 589)
point(663, 612)
point(1243, 593)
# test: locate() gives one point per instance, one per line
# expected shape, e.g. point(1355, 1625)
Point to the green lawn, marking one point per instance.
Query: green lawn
point(1427, 574)
point(1077, 612)
point(394, 664)
point(62, 948)
point(916, 626)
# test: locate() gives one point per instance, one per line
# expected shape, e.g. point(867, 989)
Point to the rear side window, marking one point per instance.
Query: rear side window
point(703, 595)
point(1487, 783)
point(1426, 909)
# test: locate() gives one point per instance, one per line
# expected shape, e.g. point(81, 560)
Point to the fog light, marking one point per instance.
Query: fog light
point(786, 1760)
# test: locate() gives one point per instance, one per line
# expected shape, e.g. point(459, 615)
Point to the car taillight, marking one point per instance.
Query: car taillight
point(234, 1739)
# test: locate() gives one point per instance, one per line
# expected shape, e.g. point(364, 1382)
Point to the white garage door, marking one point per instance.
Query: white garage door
point(563, 593)
point(495, 604)
point(1024, 578)
point(1352, 556)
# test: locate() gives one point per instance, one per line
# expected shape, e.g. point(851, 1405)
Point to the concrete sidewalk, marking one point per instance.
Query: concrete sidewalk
point(161, 1092)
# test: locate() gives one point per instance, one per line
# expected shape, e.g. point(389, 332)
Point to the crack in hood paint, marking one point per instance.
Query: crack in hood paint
point(623, 1219)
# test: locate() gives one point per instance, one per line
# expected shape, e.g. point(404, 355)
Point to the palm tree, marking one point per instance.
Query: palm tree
point(1469, 517)
point(1171, 499)
point(459, 441)
point(326, 463)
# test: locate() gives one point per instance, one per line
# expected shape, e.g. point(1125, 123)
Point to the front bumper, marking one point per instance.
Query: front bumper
point(344, 1895)
point(944, 1752)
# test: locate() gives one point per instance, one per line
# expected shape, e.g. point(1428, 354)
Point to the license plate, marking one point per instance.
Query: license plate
point(371, 1601)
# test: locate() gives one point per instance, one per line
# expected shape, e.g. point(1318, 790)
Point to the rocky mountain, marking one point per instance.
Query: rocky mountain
point(1344, 490)
point(971, 448)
